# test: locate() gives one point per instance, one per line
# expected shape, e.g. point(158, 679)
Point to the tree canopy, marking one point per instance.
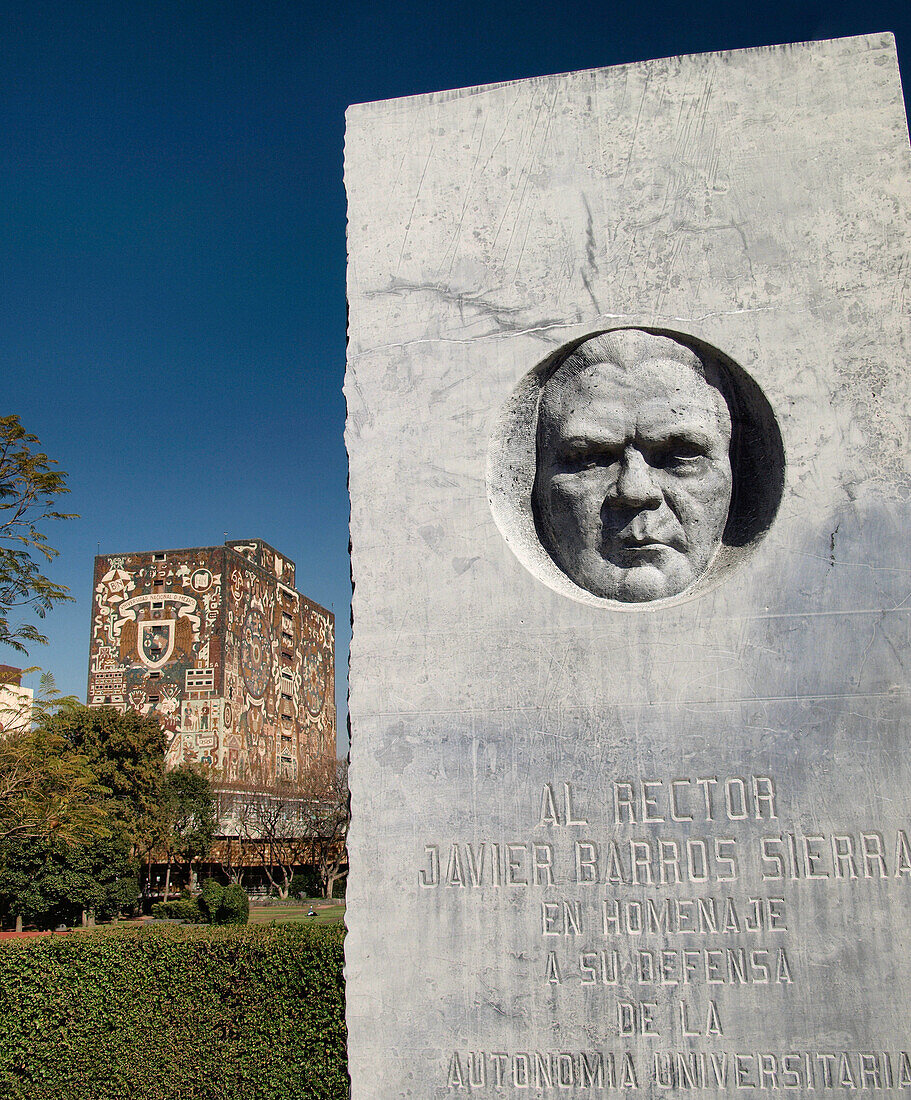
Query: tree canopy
point(295, 820)
point(46, 881)
point(126, 754)
point(48, 789)
point(188, 811)
point(29, 486)
point(81, 792)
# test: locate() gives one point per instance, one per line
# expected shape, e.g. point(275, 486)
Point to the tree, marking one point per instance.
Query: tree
point(271, 823)
point(296, 821)
point(65, 834)
point(46, 787)
point(28, 489)
point(227, 849)
point(19, 712)
point(126, 754)
point(48, 790)
point(331, 815)
point(77, 792)
point(46, 881)
point(186, 818)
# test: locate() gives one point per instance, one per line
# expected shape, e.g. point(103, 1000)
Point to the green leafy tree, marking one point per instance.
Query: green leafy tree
point(86, 793)
point(56, 835)
point(20, 714)
point(47, 882)
point(29, 487)
point(306, 883)
point(48, 790)
point(126, 754)
point(186, 817)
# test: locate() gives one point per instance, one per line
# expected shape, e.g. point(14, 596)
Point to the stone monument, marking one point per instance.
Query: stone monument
point(628, 398)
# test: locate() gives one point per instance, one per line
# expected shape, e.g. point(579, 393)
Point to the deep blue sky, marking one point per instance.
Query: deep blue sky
point(172, 316)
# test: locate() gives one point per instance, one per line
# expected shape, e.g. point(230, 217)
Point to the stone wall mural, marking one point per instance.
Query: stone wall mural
point(237, 664)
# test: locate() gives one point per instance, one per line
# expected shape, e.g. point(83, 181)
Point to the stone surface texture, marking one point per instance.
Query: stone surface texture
point(644, 846)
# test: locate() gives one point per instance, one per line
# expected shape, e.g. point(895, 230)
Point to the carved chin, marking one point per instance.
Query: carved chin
point(647, 582)
point(636, 583)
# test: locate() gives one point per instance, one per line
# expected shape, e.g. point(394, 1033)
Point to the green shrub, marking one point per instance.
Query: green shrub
point(179, 909)
point(169, 1011)
point(235, 906)
point(210, 900)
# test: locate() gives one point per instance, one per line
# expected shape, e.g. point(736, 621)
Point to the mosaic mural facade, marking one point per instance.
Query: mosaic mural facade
point(236, 663)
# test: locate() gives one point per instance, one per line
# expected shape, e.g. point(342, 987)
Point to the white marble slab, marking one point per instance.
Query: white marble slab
point(748, 735)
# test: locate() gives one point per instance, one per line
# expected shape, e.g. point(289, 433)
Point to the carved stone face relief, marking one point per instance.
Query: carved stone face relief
point(643, 465)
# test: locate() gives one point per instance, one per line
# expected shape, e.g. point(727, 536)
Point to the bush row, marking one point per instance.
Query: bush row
point(156, 1013)
point(216, 904)
point(178, 909)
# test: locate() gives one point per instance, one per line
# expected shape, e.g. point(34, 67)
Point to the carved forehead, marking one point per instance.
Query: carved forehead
point(632, 367)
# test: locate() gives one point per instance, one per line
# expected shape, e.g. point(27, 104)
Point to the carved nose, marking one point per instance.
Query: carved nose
point(635, 485)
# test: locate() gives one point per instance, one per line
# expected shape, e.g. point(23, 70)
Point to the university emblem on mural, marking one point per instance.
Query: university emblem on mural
point(155, 641)
point(256, 653)
point(130, 610)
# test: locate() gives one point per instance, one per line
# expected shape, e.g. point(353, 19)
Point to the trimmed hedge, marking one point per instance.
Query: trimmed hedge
point(210, 899)
point(253, 1013)
point(179, 909)
point(216, 904)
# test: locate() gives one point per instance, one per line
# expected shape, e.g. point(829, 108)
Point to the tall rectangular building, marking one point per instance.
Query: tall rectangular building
point(216, 640)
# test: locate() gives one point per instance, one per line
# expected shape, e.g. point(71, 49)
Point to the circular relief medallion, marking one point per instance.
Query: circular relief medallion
point(313, 686)
point(255, 654)
point(635, 467)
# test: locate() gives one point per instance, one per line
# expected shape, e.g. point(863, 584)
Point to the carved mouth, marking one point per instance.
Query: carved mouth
point(647, 541)
point(626, 549)
point(639, 547)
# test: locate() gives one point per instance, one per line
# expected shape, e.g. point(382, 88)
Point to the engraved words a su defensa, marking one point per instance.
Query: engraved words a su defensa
point(658, 894)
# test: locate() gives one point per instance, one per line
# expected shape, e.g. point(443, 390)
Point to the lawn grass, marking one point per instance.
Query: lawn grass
point(327, 912)
point(294, 912)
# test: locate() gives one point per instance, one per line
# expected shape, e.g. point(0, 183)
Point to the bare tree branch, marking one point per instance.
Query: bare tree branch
point(293, 822)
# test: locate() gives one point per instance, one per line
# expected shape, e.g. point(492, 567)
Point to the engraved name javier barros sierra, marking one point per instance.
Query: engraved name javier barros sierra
point(635, 466)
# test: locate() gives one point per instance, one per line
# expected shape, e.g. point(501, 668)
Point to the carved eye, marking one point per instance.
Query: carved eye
point(678, 454)
point(591, 458)
point(587, 462)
